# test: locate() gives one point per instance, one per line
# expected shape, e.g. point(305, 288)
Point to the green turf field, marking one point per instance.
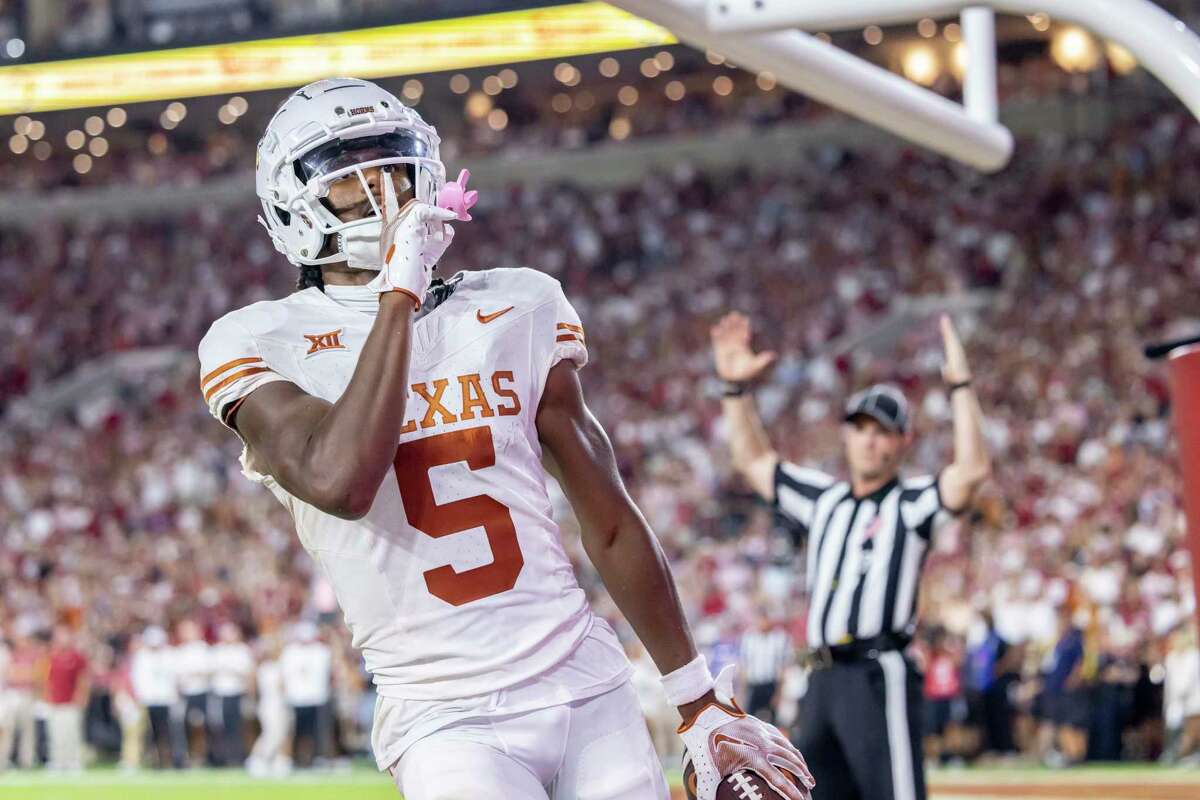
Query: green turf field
point(1120, 782)
point(203, 784)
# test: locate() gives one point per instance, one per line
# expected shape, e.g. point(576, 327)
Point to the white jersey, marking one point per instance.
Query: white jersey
point(455, 583)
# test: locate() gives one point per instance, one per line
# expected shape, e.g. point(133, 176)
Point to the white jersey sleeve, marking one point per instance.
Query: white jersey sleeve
point(557, 332)
point(231, 367)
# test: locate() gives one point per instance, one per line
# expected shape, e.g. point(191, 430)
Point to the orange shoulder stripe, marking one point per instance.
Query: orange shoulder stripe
point(569, 337)
point(566, 326)
point(228, 365)
point(216, 387)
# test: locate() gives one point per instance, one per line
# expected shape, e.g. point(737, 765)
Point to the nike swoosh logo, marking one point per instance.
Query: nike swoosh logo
point(720, 739)
point(486, 318)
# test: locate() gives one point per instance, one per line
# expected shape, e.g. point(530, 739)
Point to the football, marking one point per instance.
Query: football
point(741, 785)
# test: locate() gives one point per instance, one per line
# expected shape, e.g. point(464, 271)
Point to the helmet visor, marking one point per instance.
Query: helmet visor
point(339, 154)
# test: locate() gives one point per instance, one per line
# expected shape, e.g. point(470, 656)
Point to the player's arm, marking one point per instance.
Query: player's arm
point(971, 465)
point(634, 570)
point(335, 455)
point(615, 535)
point(752, 454)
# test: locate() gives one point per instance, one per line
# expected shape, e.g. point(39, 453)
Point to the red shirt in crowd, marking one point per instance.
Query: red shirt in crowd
point(941, 677)
point(67, 667)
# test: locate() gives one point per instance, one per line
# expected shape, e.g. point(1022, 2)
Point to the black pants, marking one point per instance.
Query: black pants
point(758, 700)
point(231, 749)
point(196, 717)
point(998, 717)
point(307, 734)
point(860, 730)
point(166, 737)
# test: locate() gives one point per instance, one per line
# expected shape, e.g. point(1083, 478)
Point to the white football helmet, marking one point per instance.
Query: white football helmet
point(323, 132)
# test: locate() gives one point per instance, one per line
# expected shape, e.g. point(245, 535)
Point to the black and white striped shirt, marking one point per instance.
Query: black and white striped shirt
point(864, 553)
point(764, 655)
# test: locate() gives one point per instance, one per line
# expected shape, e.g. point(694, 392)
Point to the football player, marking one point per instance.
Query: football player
point(405, 431)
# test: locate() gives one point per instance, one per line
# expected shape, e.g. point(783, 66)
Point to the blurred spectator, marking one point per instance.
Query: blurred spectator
point(306, 663)
point(661, 717)
point(763, 654)
point(1181, 695)
point(270, 753)
point(945, 707)
point(193, 671)
point(1065, 725)
point(19, 690)
point(130, 714)
point(67, 682)
point(232, 674)
point(155, 685)
point(993, 669)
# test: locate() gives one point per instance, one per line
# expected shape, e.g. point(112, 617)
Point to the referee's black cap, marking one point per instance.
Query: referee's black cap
point(883, 403)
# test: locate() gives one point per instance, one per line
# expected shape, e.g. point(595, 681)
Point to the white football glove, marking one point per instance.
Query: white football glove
point(411, 241)
point(723, 739)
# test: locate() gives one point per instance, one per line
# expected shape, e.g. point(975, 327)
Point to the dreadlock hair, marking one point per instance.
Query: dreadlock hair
point(310, 275)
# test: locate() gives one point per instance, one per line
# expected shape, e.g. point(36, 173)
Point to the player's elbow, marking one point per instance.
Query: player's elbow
point(349, 499)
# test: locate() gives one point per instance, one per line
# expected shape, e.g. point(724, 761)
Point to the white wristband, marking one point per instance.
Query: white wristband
point(690, 682)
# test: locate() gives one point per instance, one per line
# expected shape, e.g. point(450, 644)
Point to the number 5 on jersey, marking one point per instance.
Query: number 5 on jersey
point(474, 446)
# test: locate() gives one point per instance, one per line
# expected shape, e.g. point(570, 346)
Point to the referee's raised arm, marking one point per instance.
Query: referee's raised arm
point(971, 465)
point(738, 366)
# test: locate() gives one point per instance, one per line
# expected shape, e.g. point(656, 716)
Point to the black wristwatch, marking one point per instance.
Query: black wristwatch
point(732, 389)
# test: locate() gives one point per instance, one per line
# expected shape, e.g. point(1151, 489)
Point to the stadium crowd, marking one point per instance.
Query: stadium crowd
point(1057, 610)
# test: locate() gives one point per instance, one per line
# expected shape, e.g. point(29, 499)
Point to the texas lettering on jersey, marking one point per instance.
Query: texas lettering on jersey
point(455, 583)
point(469, 400)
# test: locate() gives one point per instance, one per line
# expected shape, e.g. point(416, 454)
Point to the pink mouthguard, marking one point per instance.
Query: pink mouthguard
point(455, 197)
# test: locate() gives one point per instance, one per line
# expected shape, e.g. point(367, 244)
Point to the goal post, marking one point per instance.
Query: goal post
point(842, 80)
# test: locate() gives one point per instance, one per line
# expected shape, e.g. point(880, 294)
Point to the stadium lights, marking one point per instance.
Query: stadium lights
point(921, 65)
point(872, 35)
point(620, 128)
point(1075, 50)
point(1123, 61)
point(414, 48)
point(116, 117)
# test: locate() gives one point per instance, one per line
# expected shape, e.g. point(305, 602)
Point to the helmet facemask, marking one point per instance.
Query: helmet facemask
point(402, 156)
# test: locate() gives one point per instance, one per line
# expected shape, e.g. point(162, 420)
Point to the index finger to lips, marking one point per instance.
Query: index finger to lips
point(391, 206)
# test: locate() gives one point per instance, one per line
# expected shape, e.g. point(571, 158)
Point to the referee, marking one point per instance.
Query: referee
point(860, 722)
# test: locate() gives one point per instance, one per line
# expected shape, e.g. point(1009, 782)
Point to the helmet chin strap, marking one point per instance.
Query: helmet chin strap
point(360, 245)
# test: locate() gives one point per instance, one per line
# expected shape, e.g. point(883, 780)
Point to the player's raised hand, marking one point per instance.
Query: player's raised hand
point(735, 360)
point(955, 369)
point(411, 240)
